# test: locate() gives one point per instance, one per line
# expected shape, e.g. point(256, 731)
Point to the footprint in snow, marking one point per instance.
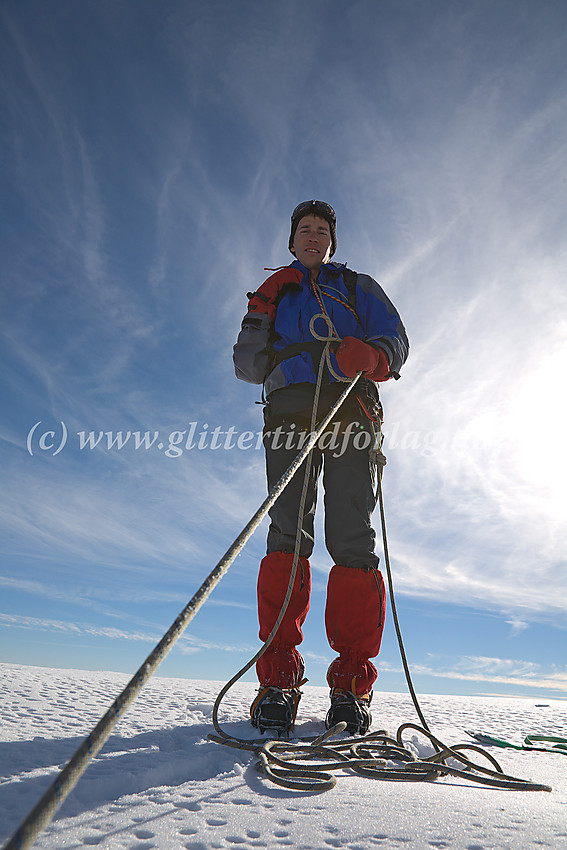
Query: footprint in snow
point(190, 807)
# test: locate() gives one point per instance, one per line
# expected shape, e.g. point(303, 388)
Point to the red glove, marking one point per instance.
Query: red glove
point(355, 356)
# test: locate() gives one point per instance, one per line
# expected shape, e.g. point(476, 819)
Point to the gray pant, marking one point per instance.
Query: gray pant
point(349, 481)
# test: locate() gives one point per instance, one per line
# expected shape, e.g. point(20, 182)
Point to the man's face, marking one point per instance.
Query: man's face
point(312, 242)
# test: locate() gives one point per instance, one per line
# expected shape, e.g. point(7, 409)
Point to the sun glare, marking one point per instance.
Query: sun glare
point(538, 413)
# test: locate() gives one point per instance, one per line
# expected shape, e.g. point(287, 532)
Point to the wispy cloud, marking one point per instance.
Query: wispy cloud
point(133, 239)
point(187, 643)
point(517, 625)
point(499, 671)
point(19, 621)
point(190, 645)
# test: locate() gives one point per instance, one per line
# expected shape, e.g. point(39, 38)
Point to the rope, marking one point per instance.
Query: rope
point(42, 814)
point(288, 764)
point(381, 460)
point(333, 335)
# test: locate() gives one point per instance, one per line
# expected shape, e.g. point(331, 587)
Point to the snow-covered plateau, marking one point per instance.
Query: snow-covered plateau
point(159, 782)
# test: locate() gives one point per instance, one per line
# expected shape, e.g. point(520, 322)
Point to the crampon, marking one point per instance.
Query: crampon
point(354, 711)
point(274, 710)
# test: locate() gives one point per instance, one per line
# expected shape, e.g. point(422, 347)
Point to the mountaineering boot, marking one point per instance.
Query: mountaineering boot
point(353, 710)
point(274, 709)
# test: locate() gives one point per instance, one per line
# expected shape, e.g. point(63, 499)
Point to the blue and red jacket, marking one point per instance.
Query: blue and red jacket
point(275, 345)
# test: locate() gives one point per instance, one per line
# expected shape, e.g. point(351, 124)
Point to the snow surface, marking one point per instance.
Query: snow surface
point(160, 783)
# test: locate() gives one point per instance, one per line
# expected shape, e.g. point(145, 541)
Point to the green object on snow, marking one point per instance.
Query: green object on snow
point(559, 745)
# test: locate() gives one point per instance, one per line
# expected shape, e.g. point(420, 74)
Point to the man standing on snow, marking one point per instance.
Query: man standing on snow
point(279, 346)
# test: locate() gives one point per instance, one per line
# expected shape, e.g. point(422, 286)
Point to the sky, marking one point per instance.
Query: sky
point(152, 155)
